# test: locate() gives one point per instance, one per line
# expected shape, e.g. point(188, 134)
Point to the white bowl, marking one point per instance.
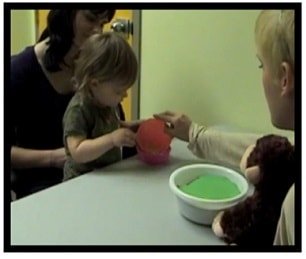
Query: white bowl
point(201, 210)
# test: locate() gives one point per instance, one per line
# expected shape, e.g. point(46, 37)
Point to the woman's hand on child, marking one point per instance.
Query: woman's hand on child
point(58, 158)
point(132, 125)
point(123, 137)
point(178, 124)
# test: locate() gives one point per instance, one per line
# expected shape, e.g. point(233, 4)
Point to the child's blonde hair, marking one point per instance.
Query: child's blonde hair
point(108, 58)
point(274, 36)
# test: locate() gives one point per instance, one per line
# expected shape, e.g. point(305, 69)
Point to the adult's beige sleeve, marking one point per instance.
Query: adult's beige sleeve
point(286, 225)
point(219, 146)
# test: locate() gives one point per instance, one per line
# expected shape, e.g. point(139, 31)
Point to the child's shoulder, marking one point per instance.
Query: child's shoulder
point(78, 101)
point(79, 111)
point(79, 105)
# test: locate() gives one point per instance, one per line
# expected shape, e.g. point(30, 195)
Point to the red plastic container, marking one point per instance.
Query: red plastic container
point(153, 144)
point(153, 158)
point(151, 136)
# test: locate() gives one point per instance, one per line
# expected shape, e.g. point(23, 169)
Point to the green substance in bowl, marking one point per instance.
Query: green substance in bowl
point(211, 187)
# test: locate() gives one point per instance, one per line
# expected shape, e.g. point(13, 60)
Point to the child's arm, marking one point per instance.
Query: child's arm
point(85, 150)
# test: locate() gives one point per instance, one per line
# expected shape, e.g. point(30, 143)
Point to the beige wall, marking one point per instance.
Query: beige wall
point(203, 63)
point(22, 29)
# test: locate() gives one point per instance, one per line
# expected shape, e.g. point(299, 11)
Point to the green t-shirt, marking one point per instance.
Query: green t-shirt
point(83, 118)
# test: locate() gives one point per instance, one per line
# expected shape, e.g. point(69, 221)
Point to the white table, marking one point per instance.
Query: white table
point(128, 203)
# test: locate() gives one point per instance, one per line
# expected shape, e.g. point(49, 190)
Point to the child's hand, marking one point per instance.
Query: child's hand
point(132, 125)
point(123, 137)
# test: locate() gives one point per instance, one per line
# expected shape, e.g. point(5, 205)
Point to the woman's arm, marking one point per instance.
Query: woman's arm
point(218, 145)
point(31, 158)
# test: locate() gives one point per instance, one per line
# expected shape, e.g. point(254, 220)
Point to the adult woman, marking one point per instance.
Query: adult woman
point(40, 90)
point(274, 34)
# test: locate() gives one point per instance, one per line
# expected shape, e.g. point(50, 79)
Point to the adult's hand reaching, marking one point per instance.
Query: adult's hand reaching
point(178, 124)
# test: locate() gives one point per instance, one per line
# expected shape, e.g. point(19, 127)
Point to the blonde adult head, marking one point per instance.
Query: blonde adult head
point(274, 36)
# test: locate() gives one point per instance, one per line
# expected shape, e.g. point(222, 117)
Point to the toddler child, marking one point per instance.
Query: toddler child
point(105, 69)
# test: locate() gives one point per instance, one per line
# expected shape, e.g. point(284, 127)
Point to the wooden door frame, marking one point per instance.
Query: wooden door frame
point(135, 90)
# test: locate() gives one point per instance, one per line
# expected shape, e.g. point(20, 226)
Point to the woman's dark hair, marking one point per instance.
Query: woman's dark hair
point(60, 30)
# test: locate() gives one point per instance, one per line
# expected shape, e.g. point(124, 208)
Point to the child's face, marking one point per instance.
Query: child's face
point(108, 94)
point(279, 104)
point(87, 24)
